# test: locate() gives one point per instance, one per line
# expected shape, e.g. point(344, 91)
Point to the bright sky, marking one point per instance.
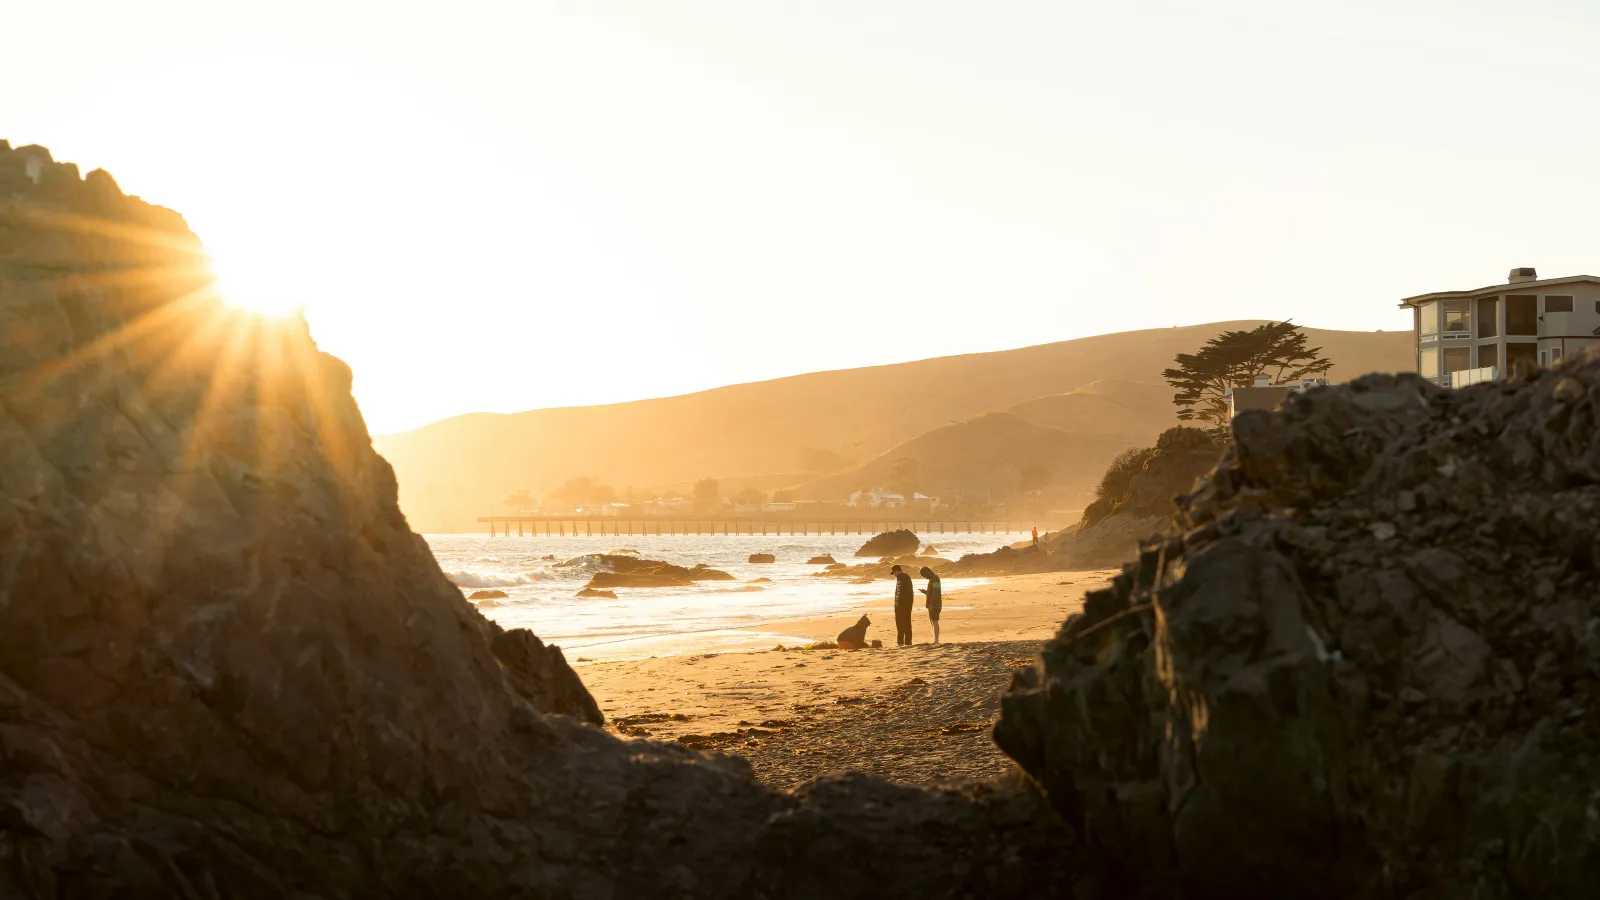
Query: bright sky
point(510, 204)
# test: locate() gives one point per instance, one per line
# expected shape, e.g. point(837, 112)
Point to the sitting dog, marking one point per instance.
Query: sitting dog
point(855, 637)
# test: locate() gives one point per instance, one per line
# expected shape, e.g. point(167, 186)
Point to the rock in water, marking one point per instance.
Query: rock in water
point(229, 669)
point(891, 543)
point(1363, 660)
point(762, 558)
point(492, 594)
point(825, 560)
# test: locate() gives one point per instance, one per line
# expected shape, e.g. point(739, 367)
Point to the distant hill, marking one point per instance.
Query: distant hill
point(1108, 406)
point(454, 470)
point(986, 453)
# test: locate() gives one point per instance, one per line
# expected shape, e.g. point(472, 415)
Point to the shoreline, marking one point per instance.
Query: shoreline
point(911, 714)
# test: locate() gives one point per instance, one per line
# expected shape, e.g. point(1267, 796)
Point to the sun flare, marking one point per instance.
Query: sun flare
point(251, 279)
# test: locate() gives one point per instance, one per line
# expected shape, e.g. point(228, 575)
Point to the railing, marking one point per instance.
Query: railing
point(1464, 377)
point(583, 526)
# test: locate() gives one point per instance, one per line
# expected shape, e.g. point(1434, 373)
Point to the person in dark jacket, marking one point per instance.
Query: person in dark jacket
point(904, 596)
point(935, 594)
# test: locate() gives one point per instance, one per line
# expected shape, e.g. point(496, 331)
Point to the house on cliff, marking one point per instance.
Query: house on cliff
point(1463, 337)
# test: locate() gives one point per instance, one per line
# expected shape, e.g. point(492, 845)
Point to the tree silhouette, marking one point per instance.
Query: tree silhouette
point(1276, 351)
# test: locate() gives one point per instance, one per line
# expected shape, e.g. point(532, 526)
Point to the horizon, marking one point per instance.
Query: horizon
point(503, 207)
point(782, 377)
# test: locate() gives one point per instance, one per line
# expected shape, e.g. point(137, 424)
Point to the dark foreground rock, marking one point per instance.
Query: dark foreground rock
point(891, 543)
point(229, 669)
point(1364, 661)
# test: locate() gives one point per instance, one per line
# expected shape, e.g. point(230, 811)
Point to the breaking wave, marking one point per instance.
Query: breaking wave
point(495, 579)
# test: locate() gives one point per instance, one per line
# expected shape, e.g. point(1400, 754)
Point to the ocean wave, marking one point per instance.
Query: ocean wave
point(487, 559)
point(495, 579)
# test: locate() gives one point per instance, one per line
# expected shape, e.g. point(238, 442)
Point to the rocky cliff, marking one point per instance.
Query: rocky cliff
point(229, 669)
point(1363, 659)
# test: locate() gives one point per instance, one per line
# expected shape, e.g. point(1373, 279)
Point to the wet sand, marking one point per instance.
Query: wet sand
point(914, 714)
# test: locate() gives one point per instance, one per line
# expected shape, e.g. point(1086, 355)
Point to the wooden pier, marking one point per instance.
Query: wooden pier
point(616, 526)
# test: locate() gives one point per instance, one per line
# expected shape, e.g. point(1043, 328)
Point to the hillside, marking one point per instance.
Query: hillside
point(987, 453)
point(454, 470)
point(1111, 406)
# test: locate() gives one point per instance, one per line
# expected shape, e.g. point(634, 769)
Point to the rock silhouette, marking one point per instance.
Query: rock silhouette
point(1362, 660)
point(891, 543)
point(229, 669)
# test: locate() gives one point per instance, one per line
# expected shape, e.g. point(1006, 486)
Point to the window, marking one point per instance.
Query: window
point(1487, 324)
point(1457, 359)
point(1457, 316)
point(1519, 353)
point(1428, 363)
point(1428, 320)
point(1555, 355)
point(1522, 314)
point(1557, 304)
point(1489, 355)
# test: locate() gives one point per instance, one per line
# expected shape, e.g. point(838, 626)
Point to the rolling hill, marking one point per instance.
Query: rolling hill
point(456, 469)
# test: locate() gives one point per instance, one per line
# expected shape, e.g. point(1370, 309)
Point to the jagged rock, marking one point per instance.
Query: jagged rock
point(229, 669)
point(891, 543)
point(1363, 659)
point(491, 594)
point(627, 571)
point(602, 580)
point(824, 560)
point(598, 593)
point(762, 558)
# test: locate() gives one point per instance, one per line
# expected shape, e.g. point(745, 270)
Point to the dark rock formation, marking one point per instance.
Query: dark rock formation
point(627, 571)
point(891, 543)
point(1364, 660)
point(762, 558)
point(597, 592)
point(825, 560)
point(491, 594)
point(229, 669)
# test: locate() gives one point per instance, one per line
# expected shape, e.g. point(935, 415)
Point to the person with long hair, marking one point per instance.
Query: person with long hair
point(935, 594)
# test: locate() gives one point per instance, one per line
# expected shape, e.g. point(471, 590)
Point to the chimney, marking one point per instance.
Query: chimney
point(1524, 275)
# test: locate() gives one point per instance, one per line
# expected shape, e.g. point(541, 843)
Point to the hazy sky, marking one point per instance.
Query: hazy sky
point(509, 205)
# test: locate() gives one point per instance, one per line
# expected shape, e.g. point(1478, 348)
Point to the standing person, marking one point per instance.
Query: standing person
point(935, 594)
point(1036, 535)
point(904, 596)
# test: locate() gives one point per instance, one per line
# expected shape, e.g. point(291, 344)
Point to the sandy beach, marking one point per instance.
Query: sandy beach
point(913, 714)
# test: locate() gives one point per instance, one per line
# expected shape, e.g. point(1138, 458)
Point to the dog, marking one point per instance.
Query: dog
point(855, 637)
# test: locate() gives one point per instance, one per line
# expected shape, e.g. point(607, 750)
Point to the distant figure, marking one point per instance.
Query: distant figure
point(1036, 535)
point(935, 594)
point(855, 637)
point(904, 596)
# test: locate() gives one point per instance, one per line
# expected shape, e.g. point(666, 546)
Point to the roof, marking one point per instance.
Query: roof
point(1509, 287)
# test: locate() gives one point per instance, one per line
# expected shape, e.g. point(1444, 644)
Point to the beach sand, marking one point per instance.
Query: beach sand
point(912, 715)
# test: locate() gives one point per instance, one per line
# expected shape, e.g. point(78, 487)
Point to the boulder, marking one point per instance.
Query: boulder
point(1371, 631)
point(229, 669)
point(762, 558)
point(598, 593)
point(637, 580)
point(891, 543)
point(491, 594)
point(825, 560)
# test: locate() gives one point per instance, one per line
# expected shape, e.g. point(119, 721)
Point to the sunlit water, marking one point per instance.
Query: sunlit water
point(644, 622)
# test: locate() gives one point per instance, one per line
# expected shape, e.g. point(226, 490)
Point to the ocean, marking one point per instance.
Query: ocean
point(713, 616)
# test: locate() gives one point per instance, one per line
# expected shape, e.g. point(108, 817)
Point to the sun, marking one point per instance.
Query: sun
point(251, 275)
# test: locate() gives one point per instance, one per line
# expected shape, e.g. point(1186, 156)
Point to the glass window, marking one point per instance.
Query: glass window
point(1428, 320)
point(1489, 355)
point(1487, 324)
point(1522, 314)
point(1428, 363)
point(1555, 355)
point(1457, 316)
point(1557, 304)
point(1518, 353)
point(1457, 359)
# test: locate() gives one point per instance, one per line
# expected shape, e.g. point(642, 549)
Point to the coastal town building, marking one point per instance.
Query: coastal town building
point(1265, 395)
point(1463, 337)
